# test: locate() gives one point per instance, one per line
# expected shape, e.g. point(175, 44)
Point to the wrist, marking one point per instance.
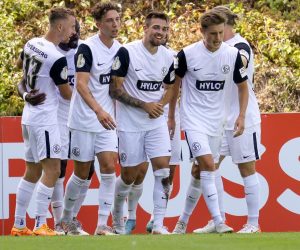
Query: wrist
point(24, 95)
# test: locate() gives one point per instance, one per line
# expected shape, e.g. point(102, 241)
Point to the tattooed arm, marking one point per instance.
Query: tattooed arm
point(82, 80)
point(117, 92)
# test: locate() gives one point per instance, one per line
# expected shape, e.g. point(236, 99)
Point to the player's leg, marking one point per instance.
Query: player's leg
point(26, 185)
point(134, 196)
point(106, 151)
point(159, 154)
point(131, 154)
point(82, 152)
point(192, 197)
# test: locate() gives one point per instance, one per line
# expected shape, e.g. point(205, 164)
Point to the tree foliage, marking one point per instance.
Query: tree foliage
point(271, 26)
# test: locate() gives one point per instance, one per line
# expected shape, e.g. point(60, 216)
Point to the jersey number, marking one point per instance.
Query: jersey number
point(32, 68)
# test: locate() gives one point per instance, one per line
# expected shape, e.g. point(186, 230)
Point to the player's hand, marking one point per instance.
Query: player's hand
point(171, 127)
point(35, 98)
point(154, 109)
point(239, 126)
point(106, 120)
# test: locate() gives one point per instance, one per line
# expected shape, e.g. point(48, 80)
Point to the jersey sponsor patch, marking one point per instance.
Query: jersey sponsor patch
point(71, 80)
point(64, 73)
point(210, 85)
point(104, 79)
point(116, 64)
point(80, 61)
point(148, 85)
point(243, 72)
point(225, 69)
point(164, 71)
point(172, 75)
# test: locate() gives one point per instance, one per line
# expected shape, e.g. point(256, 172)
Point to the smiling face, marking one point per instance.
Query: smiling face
point(156, 31)
point(213, 36)
point(109, 24)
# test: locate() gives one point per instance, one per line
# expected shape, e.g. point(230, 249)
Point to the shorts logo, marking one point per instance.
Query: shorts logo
point(123, 157)
point(196, 146)
point(80, 61)
point(225, 69)
point(56, 148)
point(116, 64)
point(76, 151)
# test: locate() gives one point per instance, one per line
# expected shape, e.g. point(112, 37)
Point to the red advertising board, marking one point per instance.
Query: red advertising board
point(279, 175)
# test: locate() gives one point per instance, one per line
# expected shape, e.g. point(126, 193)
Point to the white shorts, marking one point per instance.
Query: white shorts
point(65, 141)
point(202, 144)
point(244, 148)
point(85, 145)
point(41, 142)
point(134, 147)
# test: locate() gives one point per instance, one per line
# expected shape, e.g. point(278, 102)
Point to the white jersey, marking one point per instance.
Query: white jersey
point(252, 113)
point(94, 57)
point(206, 77)
point(44, 67)
point(144, 75)
point(64, 105)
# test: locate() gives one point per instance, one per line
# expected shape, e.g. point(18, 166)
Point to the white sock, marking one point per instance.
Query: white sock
point(106, 197)
point(57, 200)
point(121, 192)
point(133, 200)
point(210, 194)
point(24, 193)
point(83, 191)
point(220, 190)
point(160, 196)
point(43, 198)
point(72, 194)
point(252, 198)
point(192, 196)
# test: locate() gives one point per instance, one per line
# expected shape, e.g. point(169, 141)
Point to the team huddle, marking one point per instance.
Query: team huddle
point(128, 103)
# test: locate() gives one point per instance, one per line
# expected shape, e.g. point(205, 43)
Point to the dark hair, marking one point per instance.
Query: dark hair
point(231, 17)
point(59, 13)
point(212, 17)
point(100, 9)
point(154, 14)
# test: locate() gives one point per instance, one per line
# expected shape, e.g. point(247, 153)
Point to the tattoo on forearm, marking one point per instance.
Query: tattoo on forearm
point(91, 95)
point(122, 96)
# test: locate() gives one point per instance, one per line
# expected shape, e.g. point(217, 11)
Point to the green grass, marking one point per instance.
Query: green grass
point(263, 241)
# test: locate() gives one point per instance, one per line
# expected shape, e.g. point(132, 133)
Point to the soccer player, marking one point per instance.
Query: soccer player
point(139, 70)
point(44, 69)
point(208, 69)
point(245, 149)
point(68, 49)
point(91, 117)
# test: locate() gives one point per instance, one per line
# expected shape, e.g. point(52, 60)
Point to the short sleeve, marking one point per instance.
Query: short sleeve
point(121, 63)
point(244, 50)
point(59, 71)
point(83, 58)
point(181, 68)
point(239, 73)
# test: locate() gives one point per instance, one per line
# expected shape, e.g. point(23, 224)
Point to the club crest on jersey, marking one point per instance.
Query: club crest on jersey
point(80, 61)
point(210, 85)
point(164, 71)
point(148, 85)
point(56, 148)
point(225, 69)
point(116, 64)
point(64, 73)
point(123, 157)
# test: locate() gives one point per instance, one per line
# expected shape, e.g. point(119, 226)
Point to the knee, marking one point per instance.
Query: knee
point(195, 171)
point(92, 170)
point(63, 167)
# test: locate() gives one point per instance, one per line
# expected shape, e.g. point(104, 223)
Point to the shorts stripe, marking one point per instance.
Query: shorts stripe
point(255, 146)
point(191, 154)
point(47, 144)
point(69, 150)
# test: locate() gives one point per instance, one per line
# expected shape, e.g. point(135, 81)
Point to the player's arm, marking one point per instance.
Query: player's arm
point(245, 52)
point(33, 97)
point(240, 78)
point(59, 74)
point(84, 60)
point(19, 62)
point(116, 90)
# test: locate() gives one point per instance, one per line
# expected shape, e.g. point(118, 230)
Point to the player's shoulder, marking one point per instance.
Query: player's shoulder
point(133, 44)
point(191, 48)
point(227, 49)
